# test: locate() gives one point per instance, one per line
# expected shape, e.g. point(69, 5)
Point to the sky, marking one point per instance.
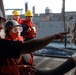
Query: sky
point(55, 6)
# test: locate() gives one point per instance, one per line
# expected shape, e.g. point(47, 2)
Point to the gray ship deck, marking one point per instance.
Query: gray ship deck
point(43, 62)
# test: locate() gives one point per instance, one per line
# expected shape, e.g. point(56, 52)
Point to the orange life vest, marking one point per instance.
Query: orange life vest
point(19, 21)
point(9, 67)
point(23, 61)
point(33, 32)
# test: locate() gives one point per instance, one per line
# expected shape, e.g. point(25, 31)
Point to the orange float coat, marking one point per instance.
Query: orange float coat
point(19, 20)
point(33, 32)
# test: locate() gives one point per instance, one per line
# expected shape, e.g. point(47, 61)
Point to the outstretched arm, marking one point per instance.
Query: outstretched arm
point(36, 44)
point(15, 47)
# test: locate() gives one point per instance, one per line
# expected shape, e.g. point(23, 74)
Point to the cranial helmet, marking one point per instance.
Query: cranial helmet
point(11, 23)
point(29, 13)
point(16, 12)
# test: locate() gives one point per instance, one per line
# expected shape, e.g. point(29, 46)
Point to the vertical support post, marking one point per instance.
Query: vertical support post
point(65, 27)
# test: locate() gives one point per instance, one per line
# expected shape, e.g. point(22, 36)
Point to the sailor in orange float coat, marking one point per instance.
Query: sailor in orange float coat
point(29, 31)
point(16, 16)
point(29, 28)
point(13, 31)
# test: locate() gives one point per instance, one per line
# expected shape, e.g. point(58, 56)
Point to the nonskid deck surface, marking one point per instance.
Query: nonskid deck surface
point(43, 62)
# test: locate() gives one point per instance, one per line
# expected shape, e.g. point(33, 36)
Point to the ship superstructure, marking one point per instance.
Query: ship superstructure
point(50, 23)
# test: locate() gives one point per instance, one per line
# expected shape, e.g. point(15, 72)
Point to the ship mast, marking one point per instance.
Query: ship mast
point(65, 28)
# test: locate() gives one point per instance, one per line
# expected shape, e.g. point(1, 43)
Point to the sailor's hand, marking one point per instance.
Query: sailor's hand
point(29, 29)
point(27, 69)
point(61, 35)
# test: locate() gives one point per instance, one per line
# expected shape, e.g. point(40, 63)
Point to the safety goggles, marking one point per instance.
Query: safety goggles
point(17, 29)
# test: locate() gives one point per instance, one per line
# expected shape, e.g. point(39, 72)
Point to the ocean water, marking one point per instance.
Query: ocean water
point(58, 49)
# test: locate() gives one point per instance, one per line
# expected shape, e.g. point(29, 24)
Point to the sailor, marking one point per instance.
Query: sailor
point(29, 32)
point(13, 32)
point(16, 16)
point(2, 20)
point(29, 28)
point(12, 49)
